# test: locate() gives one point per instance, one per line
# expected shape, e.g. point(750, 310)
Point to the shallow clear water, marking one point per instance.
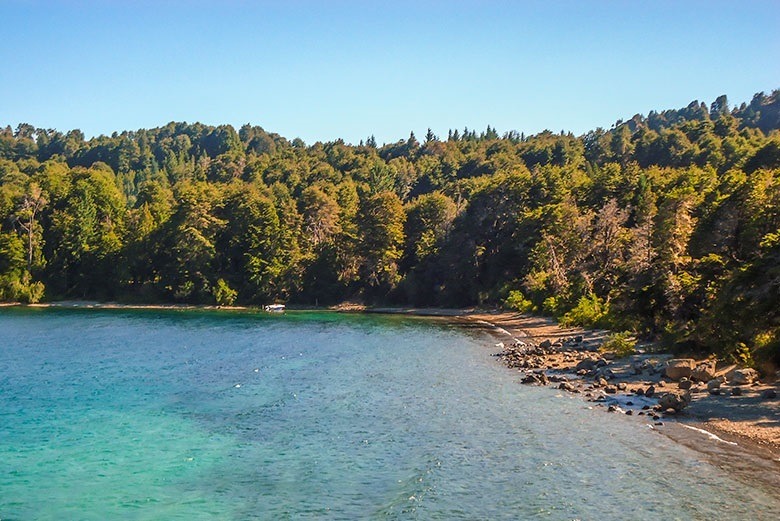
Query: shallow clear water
point(216, 415)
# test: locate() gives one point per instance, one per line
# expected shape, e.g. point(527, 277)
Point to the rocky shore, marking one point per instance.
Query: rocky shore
point(730, 401)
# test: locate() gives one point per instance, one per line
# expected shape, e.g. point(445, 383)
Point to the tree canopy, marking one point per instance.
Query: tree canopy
point(666, 224)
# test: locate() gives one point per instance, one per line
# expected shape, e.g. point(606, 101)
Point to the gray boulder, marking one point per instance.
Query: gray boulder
point(704, 371)
point(531, 378)
point(677, 368)
point(742, 376)
point(535, 378)
point(586, 363)
point(566, 386)
point(676, 400)
point(685, 384)
point(604, 372)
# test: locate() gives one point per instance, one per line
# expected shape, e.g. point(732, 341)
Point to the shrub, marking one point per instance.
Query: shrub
point(622, 344)
point(741, 355)
point(552, 305)
point(223, 293)
point(590, 311)
point(33, 293)
point(15, 289)
point(517, 302)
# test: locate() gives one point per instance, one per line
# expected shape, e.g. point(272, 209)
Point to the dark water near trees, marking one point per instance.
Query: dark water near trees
point(216, 415)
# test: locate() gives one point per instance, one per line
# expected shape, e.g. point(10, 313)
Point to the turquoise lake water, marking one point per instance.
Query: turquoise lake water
point(117, 414)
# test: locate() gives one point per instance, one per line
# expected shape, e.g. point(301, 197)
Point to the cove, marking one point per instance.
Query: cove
point(316, 415)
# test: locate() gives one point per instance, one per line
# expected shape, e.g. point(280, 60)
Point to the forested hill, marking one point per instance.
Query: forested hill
point(666, 224)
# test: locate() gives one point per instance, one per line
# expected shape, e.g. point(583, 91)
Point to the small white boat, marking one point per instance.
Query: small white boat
point(274, 308)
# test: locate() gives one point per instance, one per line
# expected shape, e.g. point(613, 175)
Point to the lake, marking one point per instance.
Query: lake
point(148, 414)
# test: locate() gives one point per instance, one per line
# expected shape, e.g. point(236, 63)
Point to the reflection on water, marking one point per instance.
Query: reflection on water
point(214, 415)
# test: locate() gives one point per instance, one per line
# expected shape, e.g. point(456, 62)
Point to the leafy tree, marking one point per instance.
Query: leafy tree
point(664, 224)
point(380, 226)
point(86, 232)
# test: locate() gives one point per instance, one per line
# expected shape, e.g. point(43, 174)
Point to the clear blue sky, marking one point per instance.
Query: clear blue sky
point(329, 69)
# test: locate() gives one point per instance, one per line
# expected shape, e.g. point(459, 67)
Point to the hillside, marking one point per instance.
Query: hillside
point(666, 224)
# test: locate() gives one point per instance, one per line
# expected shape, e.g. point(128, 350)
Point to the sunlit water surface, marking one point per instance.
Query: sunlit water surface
point(225, 415)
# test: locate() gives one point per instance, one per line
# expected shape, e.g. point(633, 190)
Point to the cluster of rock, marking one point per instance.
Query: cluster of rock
point(598, 369)
point(571, 364)
point(527, 355)
point(688, 373)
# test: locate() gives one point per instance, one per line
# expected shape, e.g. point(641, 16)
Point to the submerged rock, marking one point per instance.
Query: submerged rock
point(535, 379)
point(530, 378)
point(769, 394)
point(566, 386)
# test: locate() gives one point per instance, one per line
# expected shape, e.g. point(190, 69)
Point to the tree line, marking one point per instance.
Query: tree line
point(667, 224)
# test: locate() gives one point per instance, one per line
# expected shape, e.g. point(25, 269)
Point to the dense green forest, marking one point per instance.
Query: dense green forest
point(666, 224)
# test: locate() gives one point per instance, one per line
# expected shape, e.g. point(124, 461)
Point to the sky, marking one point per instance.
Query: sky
point(323, 70)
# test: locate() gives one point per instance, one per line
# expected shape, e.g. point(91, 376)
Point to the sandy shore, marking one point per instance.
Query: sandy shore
point(87, 304)
point(746, 419)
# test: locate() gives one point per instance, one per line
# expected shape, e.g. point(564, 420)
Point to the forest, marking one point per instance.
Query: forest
point(666, 225)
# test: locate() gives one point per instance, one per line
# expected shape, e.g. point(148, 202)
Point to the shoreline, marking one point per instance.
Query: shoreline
point(743, 437)
point(718, 413)
point(738, 433)
point(742, 424)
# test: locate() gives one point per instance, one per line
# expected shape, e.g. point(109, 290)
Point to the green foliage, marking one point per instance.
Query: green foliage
point(516, 301)
point(380, 224)
point(742, 356)
point(666, 224)
point(224, 295)
point(552, 305)
point(590, 311)
point(621, 344)
point(428, 222)
point(34, 293)
point(16, 284)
